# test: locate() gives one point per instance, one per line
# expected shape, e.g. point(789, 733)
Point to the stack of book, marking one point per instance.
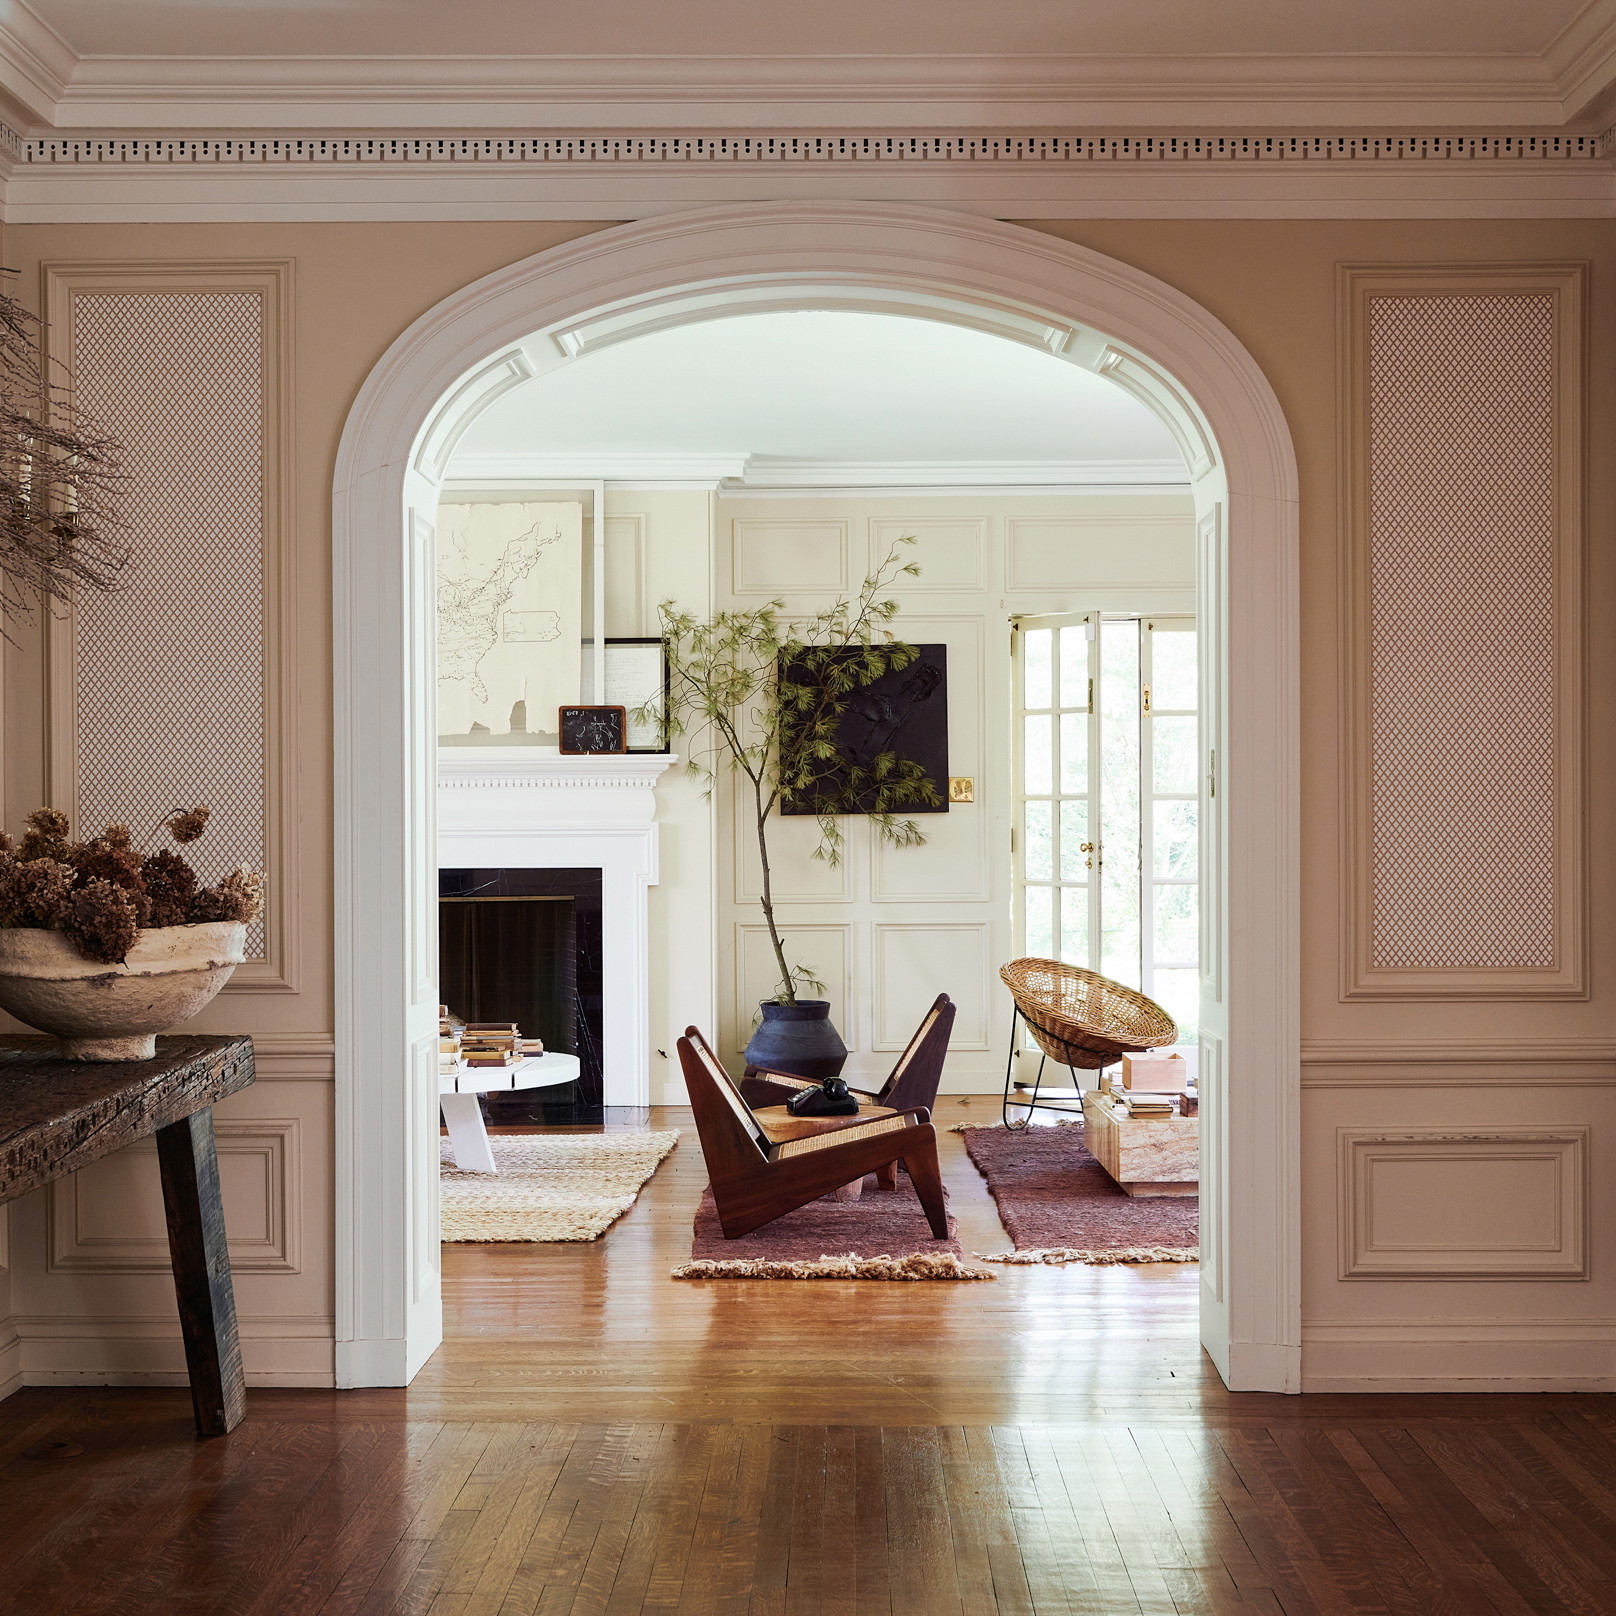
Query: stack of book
point(491, 1043)
point(1146, 1105)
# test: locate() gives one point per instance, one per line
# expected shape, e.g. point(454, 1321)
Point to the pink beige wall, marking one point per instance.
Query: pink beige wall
point(1530, 1067)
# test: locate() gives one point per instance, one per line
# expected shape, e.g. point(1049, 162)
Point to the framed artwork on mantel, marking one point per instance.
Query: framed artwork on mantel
point(636, 677)
point(586, 731)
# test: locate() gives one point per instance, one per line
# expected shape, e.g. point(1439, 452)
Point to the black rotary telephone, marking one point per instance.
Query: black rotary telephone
point(832, 1098)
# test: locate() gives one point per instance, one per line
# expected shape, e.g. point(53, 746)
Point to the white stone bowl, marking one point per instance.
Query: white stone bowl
point(102, 1012)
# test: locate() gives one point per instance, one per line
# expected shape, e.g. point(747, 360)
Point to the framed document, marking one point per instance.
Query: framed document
point(636, 678)
point(592, 729)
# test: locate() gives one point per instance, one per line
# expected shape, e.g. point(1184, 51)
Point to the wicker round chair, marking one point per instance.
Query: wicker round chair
point(1079, 1018)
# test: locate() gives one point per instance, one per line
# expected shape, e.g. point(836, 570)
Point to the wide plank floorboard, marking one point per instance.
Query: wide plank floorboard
point(595, 1439)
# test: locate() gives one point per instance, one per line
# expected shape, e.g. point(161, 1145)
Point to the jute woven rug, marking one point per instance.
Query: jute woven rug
point(883, 1235)
point(563, 1186)
point(1060, 1205)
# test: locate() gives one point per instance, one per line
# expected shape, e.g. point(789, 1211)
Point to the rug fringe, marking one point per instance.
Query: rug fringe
point(918, 1265)
point(999, 1127)
point(1116, 1254)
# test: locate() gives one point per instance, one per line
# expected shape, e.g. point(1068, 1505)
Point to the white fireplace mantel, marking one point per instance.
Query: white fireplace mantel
point(504, 808)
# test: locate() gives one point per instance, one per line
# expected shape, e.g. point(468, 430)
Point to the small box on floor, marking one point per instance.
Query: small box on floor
point(1156, 1071)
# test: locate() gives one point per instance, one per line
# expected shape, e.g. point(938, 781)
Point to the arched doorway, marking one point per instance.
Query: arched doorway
point(1018, 284)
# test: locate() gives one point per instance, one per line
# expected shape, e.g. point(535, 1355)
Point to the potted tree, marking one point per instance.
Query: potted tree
point(760, 695)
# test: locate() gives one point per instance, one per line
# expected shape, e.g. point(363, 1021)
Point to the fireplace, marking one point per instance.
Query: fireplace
point(524, 945)
point(532, 822)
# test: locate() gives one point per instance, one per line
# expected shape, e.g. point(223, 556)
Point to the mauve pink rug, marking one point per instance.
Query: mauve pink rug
point(882, 1223)
point(1060, 1205)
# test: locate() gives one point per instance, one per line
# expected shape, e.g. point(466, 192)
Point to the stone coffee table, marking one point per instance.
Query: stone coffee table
point(1154, 1156)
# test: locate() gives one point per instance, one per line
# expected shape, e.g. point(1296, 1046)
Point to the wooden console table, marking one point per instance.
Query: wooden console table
point(57, 1116)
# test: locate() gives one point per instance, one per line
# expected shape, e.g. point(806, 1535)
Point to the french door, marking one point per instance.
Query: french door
point(1106, 838)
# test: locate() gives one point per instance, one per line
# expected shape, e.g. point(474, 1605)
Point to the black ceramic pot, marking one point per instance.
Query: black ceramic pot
point(798, 1038)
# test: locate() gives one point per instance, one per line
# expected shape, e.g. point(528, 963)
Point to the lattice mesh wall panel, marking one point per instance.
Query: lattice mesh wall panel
point(170, 669)
point(1462, 640)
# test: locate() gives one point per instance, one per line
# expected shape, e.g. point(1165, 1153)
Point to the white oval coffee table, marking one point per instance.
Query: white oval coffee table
point(463, 1117)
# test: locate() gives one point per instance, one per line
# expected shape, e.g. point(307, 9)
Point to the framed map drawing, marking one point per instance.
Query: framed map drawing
point(510, 620)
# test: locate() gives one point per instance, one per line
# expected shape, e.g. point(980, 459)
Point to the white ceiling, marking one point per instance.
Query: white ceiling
point(821, 396)
point(619, 28)
point(707, 65)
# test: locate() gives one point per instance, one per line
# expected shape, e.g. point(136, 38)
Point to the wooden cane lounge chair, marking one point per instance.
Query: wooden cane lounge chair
point(913, 1080)
point(756, 1178)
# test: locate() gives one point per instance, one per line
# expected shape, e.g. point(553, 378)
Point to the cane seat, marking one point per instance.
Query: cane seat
point(1083, 1019)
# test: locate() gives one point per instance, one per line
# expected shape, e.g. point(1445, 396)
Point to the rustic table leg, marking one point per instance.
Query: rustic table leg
point(196, 1245)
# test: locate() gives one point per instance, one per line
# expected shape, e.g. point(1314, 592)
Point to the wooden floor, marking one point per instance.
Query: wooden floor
point(598, 1440)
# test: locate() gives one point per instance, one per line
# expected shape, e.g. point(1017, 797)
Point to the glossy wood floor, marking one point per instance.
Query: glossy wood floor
point(597, 1440)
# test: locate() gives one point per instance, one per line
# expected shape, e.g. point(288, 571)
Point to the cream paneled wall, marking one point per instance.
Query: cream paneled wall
point(888, 929)
point(1408, 1069)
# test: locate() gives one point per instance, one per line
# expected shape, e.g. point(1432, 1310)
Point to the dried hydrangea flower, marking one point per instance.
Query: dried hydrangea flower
point(119, 863)
point(187, 826)
point(116, 836)
point(237, 897)
point(47, 836)
point(101, 921)
point(49, 822)
point(34, 892)
point(170, 888)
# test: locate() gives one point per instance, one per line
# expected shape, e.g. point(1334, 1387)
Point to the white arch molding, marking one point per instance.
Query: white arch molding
point(1019, 284)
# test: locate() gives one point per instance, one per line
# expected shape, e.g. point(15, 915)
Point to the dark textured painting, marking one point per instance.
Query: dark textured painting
point(905, 712)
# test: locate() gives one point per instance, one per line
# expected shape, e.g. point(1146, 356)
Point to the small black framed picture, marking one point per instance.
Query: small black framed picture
point(587, 730)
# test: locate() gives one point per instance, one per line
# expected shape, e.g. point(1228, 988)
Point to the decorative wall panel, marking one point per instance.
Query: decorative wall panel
point(108, 1219)
point(1098, 552)
point(784, 558)
point(629, 614)
point(917, 960)
point(950, 552)
point(826, 950)
point(167, 694)
point(1485, 1203)
point(1464, 547)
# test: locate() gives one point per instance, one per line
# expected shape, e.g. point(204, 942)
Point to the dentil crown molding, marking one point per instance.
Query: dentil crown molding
point(82, 177)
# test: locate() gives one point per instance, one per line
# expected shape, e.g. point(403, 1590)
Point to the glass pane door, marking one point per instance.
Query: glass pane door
point(1170, 781)
point(1106, 845)
point(1057, 854)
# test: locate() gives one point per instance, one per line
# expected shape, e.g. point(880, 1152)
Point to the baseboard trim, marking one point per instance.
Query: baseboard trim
point(1462, 1356)
point(148, 1352)
point(1491, 1385)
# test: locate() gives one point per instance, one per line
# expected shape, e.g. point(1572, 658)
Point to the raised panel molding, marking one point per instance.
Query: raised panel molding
point(627, 614)
point(951, 552)
point(1500, 1203)
point(777, 557)
point(827, 948)
point(229, 741)
point(108, 1219)
point(1101, 553)
point(917, 959)
point(1461, 733)
point(1459, 1063)
point(796, 875)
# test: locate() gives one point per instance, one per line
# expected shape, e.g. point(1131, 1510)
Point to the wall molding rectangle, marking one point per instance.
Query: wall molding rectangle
point(892, 1032)
point(1485, 1203)
point(1442, 742)
point(270, 284)
point(756, 556)
point(273, 1143)
point(839, 978)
